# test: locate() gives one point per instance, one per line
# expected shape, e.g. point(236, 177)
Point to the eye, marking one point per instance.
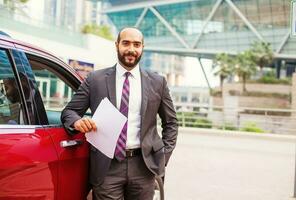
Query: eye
point(125, 43)
point(137, 44)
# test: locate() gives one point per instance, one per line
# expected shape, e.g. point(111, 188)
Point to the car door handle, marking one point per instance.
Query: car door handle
point(70, 143)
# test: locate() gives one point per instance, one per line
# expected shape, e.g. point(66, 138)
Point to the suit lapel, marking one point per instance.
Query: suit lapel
point(145, 82)
point(111, 85)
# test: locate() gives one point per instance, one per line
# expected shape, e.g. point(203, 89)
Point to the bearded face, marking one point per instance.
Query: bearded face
point(129, 58)
point(129, 47)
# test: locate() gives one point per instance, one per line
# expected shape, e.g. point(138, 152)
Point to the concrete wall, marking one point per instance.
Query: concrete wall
point(282, 123)
point(268, 88)
point(268, 123)
point(97, 50)
point(264, 102)
point(259, 102)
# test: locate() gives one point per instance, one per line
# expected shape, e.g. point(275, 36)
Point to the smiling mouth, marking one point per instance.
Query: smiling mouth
point(130, 58)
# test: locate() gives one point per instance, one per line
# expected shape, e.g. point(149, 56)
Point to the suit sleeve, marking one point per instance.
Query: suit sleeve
point(169, 122)
point(77, 107)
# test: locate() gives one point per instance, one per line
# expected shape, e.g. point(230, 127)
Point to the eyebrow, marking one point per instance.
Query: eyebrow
point(131, 41)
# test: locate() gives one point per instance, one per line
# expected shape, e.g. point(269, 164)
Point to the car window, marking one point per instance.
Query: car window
point(11, 110)
point(54, 89)
point(33, 101)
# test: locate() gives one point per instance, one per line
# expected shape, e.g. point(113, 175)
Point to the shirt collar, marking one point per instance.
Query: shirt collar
point(135, 72)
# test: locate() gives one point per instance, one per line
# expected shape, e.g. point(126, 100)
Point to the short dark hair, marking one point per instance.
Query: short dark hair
point(118, 36)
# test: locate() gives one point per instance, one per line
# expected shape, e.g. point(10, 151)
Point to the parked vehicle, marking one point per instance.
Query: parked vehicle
point(38, 159)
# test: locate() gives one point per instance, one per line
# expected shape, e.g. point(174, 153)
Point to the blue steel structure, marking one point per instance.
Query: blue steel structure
point(203, 28)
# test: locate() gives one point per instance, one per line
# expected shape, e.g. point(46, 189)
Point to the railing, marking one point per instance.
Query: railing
point(55, 103)
point(280, 121)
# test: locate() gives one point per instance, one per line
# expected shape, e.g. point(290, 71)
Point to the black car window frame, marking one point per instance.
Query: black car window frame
point(57, 69)
point(35, 111)
point(24, 108)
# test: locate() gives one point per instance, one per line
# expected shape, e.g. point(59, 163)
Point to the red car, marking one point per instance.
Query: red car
point(38, 159)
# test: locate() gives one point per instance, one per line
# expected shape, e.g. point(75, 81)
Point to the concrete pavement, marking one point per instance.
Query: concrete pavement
point(212, 164)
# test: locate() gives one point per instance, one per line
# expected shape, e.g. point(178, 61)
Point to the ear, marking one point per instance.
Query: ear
point(116, 45)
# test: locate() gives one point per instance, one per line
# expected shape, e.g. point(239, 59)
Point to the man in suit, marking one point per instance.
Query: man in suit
point(140, 95)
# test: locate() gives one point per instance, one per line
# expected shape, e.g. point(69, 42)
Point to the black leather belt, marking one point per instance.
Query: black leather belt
point(132, 152)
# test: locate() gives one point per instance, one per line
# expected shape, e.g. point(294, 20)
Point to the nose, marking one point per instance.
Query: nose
point(131, 48)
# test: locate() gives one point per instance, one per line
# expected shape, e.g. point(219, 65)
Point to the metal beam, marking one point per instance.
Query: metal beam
point(189, 52)
point(140, 19)
point(203, 70)
point(285, 56)
point(211, 15)
point(239, 13)
point(169, 27)
point(133, 6)
point(205, 53)
point(280, 47)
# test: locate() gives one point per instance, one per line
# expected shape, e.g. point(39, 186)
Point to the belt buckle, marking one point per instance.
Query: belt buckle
point(129, 153)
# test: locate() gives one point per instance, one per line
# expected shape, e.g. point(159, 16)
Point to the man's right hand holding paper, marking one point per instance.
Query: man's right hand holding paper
point(84, 125)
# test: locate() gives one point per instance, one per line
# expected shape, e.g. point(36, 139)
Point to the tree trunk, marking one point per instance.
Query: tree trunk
point(244, 83)
point(261, 71)
point(221, 85)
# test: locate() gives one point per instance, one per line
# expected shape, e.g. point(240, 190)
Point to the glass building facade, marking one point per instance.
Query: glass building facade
point(203, 28)
point(61, 13)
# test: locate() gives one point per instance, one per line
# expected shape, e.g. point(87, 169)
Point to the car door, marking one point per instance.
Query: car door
point(28, 159)
point(56, 85)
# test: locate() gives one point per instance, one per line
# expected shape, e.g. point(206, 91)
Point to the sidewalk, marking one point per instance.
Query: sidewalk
point(241, 134)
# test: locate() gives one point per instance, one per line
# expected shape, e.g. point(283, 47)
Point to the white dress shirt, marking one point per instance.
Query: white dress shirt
point(134, 108)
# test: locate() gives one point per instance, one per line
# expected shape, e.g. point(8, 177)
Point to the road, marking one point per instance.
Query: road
point(228, 167)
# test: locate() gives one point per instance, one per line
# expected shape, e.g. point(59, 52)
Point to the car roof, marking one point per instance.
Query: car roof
point(7, 41)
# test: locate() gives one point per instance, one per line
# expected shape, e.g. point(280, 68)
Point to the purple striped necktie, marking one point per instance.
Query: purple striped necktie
point(121, 142)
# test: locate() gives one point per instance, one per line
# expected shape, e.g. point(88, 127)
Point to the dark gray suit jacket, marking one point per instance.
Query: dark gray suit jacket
point(156, 99)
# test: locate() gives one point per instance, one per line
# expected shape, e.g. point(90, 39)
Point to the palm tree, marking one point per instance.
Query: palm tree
point(262, 54)
point(226, 66)
point(245, 66)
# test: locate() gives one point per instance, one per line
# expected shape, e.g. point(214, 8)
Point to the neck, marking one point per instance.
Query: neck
point(125, 67)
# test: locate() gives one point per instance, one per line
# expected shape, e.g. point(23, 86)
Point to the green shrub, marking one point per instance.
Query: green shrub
point(273, 80)
point(270, 73)
point(216, 93)
point(267, 79)
point(99, 30)
point(252, 127)
point(202, 123)
point(192, 120)
point(229, 127)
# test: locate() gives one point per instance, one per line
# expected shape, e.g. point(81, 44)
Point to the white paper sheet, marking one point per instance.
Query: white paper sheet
point(109, 121)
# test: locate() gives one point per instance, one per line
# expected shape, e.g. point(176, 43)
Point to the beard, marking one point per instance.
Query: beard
point(122, 58)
